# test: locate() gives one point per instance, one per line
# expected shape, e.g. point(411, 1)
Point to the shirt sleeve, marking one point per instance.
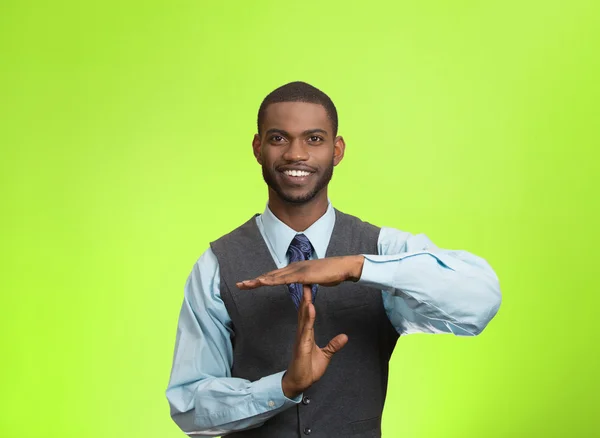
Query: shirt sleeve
point(204, 399)
point(430, 290)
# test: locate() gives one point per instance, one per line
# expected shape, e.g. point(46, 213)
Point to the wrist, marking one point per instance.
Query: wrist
point(358, 262)
point(288, 389)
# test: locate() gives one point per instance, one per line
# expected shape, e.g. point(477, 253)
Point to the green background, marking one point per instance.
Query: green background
point(125, 132)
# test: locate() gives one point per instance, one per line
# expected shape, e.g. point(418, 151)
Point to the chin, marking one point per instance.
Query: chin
point(297, 198)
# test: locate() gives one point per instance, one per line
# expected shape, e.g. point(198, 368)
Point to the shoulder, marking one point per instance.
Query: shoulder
point(394, 241)
point(350, 220)
point(205, 267)
point(237, 237)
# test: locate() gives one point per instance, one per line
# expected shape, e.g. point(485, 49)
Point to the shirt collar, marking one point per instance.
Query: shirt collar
point(279, 235)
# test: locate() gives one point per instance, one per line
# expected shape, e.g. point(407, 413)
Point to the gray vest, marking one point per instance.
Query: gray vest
point(348, 400)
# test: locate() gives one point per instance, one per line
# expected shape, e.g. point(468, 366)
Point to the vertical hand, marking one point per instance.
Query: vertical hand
point(309, 362)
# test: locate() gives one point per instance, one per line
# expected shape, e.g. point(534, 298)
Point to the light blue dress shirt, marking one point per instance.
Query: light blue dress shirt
point(425, 290)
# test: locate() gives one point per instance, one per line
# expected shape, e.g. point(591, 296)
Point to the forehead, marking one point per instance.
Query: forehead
point(296, 117)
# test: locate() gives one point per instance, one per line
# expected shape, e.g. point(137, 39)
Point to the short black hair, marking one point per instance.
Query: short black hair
point(299, 92)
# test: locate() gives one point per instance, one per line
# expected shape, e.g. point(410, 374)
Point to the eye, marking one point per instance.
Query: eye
point(315, 138)
point(276, 138)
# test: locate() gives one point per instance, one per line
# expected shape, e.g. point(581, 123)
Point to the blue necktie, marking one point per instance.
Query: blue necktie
point(300, 249)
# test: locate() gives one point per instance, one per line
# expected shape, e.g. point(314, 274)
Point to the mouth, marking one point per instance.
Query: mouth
point(296, 177)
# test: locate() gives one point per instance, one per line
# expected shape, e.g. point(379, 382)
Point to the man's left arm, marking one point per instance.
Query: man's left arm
point(425, 289)
point(431, 290)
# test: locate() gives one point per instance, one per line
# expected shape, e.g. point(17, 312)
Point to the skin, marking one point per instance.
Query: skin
point(297, 134)
point(300, 135)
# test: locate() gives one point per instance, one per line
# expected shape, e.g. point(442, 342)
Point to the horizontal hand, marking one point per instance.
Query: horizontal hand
point(329, 271)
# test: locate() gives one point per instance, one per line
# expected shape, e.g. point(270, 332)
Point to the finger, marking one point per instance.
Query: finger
point(275, 281)
point(263, 280)
point(257, 281)
point(283, 278)
point(249, 284)
point(307, 293)
point(295, 272)
point(304, 305)
point(269, 280)
point(308, 327)
point(293, 269)
point(335, 345)
point(302, 310)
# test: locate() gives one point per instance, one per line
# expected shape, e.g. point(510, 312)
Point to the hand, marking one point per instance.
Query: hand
point(309, 362)
point(329, 271)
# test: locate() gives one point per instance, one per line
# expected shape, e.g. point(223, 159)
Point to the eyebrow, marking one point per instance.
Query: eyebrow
point(307, 132)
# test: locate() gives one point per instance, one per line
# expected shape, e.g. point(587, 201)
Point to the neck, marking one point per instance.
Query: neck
point(298, 217)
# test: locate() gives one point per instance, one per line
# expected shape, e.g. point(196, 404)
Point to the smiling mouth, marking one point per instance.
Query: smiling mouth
point(296, 176)
point(296, 173)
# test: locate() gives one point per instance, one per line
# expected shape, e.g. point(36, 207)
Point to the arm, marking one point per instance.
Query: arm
point(430, 290)
point(204, 399)
point(425, 289)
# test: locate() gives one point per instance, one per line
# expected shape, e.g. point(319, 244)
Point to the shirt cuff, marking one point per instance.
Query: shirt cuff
point(376, 270)
point(268, 393)
point(375, 273)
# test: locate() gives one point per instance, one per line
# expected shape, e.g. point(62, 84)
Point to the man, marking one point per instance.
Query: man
point(262, 299)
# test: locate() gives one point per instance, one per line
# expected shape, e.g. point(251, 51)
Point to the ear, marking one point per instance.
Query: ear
point(256, 148)
point(339, 147)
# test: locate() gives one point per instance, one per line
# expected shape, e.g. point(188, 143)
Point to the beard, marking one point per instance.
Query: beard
point(269, 175)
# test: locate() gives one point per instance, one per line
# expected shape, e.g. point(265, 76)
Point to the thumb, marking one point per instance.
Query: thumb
point(335, 345)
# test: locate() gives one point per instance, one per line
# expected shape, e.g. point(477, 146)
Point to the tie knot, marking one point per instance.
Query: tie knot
point(301, 243)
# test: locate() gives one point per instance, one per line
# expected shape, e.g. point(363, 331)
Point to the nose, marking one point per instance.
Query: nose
point(296, 151)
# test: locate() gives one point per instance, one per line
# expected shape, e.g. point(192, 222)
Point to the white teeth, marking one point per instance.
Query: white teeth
point(296, 173)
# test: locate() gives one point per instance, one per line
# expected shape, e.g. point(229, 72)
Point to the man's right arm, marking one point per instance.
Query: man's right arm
point(204, 399)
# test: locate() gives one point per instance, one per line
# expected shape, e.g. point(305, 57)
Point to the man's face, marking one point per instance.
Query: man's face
point(297, 150)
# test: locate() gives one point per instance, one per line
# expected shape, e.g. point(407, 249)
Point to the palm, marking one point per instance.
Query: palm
point(309, 361)
point(315, 361)
point(320, 361)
